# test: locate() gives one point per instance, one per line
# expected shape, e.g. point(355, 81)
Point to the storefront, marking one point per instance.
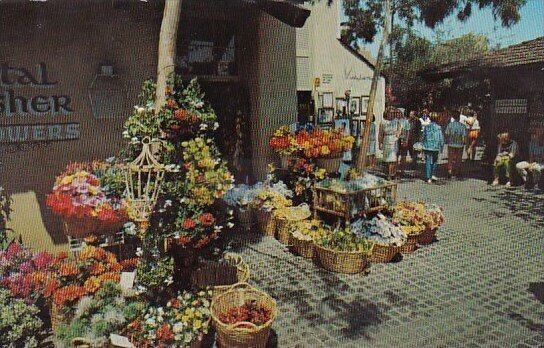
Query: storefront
point(71, 71)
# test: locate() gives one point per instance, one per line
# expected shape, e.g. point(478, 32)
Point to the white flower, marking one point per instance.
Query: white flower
point(139, 252)
point(167, 203)
point(178, 327)
point(140, 110)
point(230, 225)
point(134, 140)
point(203, 126)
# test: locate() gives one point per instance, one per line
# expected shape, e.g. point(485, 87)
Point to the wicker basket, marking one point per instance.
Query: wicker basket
point(232, 335)
point(331, 165)
point(383, 253)
point(305, 248)
point(242, 273)
point(427, 237)
point(411, 243)
point(266, 222)
point(244, 216)
point(84, 227)
point(341, 261)
point(282, 230)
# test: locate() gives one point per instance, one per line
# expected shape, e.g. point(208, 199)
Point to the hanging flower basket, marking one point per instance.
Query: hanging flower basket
point(331, 165)
point(242, 334)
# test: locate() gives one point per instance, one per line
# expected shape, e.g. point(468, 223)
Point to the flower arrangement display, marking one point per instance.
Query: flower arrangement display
point(207, 177)
point(435, 216)
point(283, 142)
point(240, 196)
point(249, 312)
point(19, 322)
point(25, 273)
point(98, 316)
point(308, 230)
point(344, 240)
point(183, 320)
point(272, 196)
point(83, 275)
point(410, 217)
point(89, 191)
point(379, 230)
point(321, 143)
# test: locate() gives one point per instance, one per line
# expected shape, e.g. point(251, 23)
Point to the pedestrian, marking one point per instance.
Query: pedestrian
point(414, 136)
point(388, 140)
point(404, 127)
point(507, 150)
point(432, 141)
point(371, 152)
point(535, 165)
point(456, 134)
point(474, 133)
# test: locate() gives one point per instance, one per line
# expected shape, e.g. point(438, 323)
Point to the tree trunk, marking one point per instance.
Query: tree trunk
point(361, 159)
point(167, 49)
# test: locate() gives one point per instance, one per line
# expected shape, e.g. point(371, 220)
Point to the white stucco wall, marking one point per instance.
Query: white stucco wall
point(327, 56)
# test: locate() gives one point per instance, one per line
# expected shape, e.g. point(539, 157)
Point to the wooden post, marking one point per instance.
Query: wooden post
point(167, 49)
point(361, 159)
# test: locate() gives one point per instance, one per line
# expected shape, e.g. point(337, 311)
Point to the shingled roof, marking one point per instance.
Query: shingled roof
point(523, 54)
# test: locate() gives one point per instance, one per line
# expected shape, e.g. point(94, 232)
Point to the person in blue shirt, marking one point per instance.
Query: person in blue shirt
point(456, 136)
point(535, 165)
point(432, 141)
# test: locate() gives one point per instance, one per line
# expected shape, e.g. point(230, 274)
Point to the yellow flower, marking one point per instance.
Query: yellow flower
point(325, 150)
point(197, 324)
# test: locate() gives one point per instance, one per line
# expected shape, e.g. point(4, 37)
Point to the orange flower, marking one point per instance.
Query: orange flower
point(183, 240)
point(97, 268)
point(111, 258)
point(67, 270)
point(50, 287)
point(206, 219)
point(68, 294)
point(110, 276)
point(188, 224)
point(130, 264)
point(115, 267)
point(92, 285)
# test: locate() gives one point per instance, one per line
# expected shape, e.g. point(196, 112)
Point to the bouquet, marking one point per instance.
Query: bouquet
point(410, 217)
point(344, 240)
point(324, 143)
point(379, 230)
point(195, 226)
point(89, 190)
point(283, 142)
point(183, 320)
point(435, 216)
point(240, 196)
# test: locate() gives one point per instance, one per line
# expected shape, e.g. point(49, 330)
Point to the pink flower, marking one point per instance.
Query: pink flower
point(42, 260)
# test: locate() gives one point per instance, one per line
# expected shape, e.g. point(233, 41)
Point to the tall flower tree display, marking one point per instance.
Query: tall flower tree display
point(189, 214)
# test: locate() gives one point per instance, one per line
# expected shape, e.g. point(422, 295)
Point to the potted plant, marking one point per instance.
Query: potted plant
point(409, 217)
point(88, 197)
point(284, 144)
point(304, 233)
point(240, 198)
point(326, 146)
point(20, 325)
point(343, 251)
point(433, 218)
point(269, 197)
point(287, 216)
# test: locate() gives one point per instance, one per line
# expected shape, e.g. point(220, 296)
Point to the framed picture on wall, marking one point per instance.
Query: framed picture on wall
point(327, 100)
point(325, 116)
point(364, 104)
point(340, 106)
point(355, 106)
point(320, 101)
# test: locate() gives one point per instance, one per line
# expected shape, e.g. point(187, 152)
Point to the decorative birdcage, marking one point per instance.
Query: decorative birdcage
point(143, 179)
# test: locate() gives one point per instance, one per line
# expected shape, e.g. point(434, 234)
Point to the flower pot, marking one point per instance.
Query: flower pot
point(244, 216)
point(331, 165)
point(383, 253)
point(266, 222)
point(305, 248)
point(411, 244)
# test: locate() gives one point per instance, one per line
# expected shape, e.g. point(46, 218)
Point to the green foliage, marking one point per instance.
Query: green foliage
point(365, 18)
point(19, 322)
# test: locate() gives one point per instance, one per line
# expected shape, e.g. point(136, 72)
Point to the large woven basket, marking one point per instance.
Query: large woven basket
point(331, 165)
point(427, 237)
point(383, 253)
point(305, 248)
point(242, 273)
point(411, 243)
point(266, 222)
point(84, 227)
point(284, 224)
point(341, 261)
point(244, 216)
point(238, 335)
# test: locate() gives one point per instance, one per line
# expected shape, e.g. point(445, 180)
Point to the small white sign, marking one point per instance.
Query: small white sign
point(127, 280)
point(121, 341)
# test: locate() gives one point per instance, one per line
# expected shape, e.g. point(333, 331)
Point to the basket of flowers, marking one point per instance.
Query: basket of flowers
point(230, 270)
point(409, 217)
point(88, 197)
point(270, 197)
point(303, 235)
point(434, 217)
point(243, 316)
point(342, 251)
point(386, 236)
point(240, 198)
point(283, 142)
point(326, 146)
point(286, 217)
point(181, 322)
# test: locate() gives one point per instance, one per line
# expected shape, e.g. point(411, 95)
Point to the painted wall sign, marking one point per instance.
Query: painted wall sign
point(34, 133)
point(327, 79)
point(350, 75)
point(13, 104)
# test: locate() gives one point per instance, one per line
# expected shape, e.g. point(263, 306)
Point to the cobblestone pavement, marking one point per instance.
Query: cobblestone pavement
point(480, 285)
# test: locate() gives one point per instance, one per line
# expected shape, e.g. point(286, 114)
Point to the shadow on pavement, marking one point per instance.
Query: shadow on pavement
point(537, 289)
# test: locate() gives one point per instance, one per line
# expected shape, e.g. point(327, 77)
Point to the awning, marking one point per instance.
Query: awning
point(289, 12)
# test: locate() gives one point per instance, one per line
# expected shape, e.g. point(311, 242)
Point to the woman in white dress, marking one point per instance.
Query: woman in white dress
point(388, 139)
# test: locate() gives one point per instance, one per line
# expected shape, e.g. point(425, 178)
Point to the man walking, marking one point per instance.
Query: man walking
point(456, 135)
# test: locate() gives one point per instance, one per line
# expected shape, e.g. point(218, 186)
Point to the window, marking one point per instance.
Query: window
point(207, 47)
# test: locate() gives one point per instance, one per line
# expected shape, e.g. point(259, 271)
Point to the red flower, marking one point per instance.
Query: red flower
point(181, 114)
point(183, 240)
point(188, 224)
point(165, 334)
point(206, 219)
point(172, 104)
point(174, 127)
point(202, 242)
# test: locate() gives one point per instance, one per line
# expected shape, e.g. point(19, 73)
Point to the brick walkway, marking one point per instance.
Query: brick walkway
point(481, 284)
